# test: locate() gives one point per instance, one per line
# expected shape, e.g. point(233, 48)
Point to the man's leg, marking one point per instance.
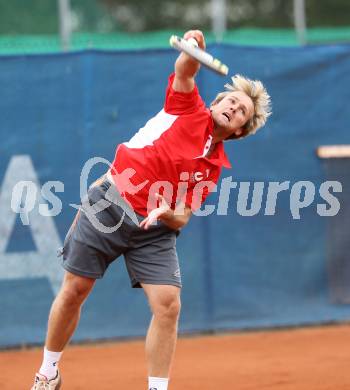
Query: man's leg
point(161, 337)
point(64, 318)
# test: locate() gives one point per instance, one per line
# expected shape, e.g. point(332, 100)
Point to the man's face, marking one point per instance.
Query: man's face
point(232, 113)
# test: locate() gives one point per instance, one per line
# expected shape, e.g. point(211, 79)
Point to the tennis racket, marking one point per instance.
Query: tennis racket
point(191, 48)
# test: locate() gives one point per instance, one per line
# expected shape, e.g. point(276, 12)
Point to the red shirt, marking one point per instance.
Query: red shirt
point(167, 155)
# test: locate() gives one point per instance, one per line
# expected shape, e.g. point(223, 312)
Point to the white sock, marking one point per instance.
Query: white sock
point(50, 363)
point(155, 383)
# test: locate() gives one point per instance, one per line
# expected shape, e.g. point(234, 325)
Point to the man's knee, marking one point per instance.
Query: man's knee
point(75, 289)
point(166, 303)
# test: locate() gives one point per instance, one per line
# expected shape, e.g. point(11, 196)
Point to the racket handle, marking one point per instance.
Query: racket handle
point(191, 48)
point(193, 42)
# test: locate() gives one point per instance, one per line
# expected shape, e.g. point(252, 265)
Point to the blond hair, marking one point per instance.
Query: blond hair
point(259, 96)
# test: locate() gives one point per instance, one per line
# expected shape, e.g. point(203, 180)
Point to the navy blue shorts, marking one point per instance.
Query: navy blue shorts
point(150, 255)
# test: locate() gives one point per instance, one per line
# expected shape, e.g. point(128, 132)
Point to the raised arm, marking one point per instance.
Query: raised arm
point(186, 67)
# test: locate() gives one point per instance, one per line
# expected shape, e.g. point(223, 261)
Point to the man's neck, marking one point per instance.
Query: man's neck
point(218, 135)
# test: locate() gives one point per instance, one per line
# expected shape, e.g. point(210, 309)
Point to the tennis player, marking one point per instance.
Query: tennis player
point(180, 148)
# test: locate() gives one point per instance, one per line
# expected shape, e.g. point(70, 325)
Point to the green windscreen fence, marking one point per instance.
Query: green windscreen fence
point(24, 44)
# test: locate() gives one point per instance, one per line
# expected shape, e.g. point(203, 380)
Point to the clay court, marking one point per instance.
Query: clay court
point(300, 359)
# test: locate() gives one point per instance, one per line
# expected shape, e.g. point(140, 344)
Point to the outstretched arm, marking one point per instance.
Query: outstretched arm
point(186, 67)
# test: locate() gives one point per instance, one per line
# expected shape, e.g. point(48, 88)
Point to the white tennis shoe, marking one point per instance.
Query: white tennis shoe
point(42, 383)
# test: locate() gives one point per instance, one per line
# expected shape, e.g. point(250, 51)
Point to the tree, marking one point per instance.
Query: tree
point(41, 16)
point(135, 15)
point(28, 17)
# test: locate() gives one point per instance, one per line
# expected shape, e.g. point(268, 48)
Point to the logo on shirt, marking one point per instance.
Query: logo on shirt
point(197, 176)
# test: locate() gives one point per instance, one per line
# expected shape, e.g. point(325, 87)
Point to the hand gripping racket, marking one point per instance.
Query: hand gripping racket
point(191, 48)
